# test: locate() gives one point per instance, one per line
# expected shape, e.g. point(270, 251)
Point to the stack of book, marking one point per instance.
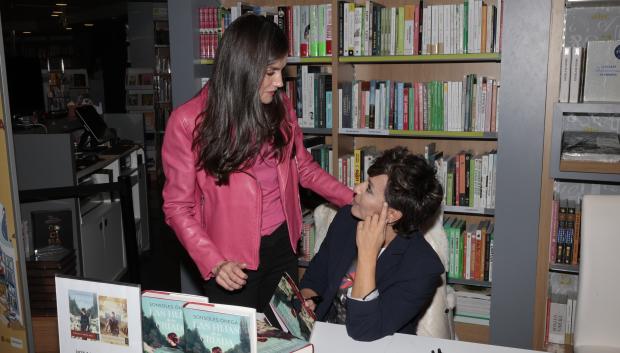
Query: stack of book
point(41, 273)
point(473, 307)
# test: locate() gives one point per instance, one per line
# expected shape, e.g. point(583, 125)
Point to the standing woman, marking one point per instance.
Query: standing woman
point(233, 157)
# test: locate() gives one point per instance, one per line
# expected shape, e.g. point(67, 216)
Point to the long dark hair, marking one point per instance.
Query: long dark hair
point(235, 124)
point(412, 188)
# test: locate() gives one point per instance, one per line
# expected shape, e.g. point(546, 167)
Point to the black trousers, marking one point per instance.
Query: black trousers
point(276, 257)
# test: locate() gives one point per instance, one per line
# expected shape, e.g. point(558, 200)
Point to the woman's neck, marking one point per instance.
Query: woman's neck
point(390, 234)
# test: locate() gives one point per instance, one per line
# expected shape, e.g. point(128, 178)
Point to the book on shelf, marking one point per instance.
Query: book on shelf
point(211, 326)
point(565, 71)
point(561, 307)
point(98, 316)
point(288, 306)
point(162, 319)
point(596, 146)
point(565, 234)
point(602, 72)
point(576, 75)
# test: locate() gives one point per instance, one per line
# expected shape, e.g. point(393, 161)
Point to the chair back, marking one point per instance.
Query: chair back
point(437, 320)
point(598, 308)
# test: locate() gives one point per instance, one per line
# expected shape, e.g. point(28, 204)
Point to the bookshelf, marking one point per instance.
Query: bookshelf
point(572, 23)
point(518, 139)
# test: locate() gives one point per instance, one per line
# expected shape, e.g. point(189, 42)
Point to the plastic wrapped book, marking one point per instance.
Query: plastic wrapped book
point(590, 146)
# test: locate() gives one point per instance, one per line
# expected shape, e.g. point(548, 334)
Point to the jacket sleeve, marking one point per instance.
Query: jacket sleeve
point(311, 175)
point(181, 211)
point(393, 308)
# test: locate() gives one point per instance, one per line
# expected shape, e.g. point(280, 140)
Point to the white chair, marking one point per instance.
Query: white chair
point(438, 320)
point(598, 309)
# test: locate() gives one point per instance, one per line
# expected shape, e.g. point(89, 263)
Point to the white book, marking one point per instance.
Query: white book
point(498, 24)
point(575, 75)
point(350, 43)
point(601, 81)
point(357, 32)
point(408, 49)
point(296, 30)
point(461, 21)
point(434, 30)
point(441, 30)
point(491, 168)
point(393, 30)
point(427, 30)
point(484, 179)
point(489, 27)
point(557, 321)
point(328, 29)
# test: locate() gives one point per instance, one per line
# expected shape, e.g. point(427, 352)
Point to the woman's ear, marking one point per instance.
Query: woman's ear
point(393, 215)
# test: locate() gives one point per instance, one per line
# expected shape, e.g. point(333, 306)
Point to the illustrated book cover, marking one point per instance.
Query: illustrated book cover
point(273, 340)
point(162, 320)
point(219, 328)
point(292, 315)
point(95, 316)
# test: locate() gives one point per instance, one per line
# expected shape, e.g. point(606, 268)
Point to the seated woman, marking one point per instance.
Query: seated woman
point(374, 271)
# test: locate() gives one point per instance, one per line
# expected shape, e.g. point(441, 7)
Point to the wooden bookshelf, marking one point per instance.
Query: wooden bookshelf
point(590, 167)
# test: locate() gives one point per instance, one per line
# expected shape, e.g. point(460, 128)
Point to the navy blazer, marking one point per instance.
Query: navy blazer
point(408, 274)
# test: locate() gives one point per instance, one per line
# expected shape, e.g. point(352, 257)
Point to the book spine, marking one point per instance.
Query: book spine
point(575, 75)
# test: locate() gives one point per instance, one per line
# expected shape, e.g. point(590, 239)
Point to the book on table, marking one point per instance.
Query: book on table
point(162, 320)
point(295, 319)
point(211, 327)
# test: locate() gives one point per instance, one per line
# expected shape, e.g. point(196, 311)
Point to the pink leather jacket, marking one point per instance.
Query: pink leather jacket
point(217, 223)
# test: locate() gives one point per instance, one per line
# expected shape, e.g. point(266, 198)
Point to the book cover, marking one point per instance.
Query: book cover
point(287, 305)
point(602, 72)
point(274, 340)
point(565, 74)
point(96, 316)
point(162, 320)
point(219, 328)
point(575, 75)
point(52, 228)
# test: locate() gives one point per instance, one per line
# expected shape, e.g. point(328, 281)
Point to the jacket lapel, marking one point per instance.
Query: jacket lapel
point(391, 257)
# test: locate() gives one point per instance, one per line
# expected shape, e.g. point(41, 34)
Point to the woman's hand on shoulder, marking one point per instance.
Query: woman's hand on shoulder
point(230, 275)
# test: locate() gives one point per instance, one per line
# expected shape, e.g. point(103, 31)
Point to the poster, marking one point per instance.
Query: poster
point(13, 336)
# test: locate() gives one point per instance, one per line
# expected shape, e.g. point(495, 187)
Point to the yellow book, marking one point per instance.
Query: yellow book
point(358, 166)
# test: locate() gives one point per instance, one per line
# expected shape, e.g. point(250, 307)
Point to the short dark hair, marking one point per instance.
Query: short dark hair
point(412, 188)
point(235, 124)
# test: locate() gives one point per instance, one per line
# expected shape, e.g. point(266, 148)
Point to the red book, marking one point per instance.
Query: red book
point(406, 108)
point(553, 246)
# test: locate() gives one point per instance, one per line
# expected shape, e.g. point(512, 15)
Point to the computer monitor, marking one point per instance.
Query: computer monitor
point(93, 123)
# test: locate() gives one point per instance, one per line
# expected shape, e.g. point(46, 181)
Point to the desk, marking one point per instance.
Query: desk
point(332, 338)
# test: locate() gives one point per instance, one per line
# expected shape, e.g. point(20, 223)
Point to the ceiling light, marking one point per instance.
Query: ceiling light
point(61, 4)
point(58, 12)
point(89, 24)
point(26, 32)
point(69, 28)
point(55, 15)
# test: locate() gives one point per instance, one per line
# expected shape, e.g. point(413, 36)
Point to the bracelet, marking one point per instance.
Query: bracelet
point(217, 268)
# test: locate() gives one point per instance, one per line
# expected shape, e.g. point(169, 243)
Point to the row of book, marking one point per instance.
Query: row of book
point(565, 232)
point(468, 179)
point(470, 249)
point(473, 307)
point(590, 75)
point(467, 105)
point(561, 308)
point(371, 29)
point(311, 95)
point(189, 323)
point(308, 238)
point(307, 27)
